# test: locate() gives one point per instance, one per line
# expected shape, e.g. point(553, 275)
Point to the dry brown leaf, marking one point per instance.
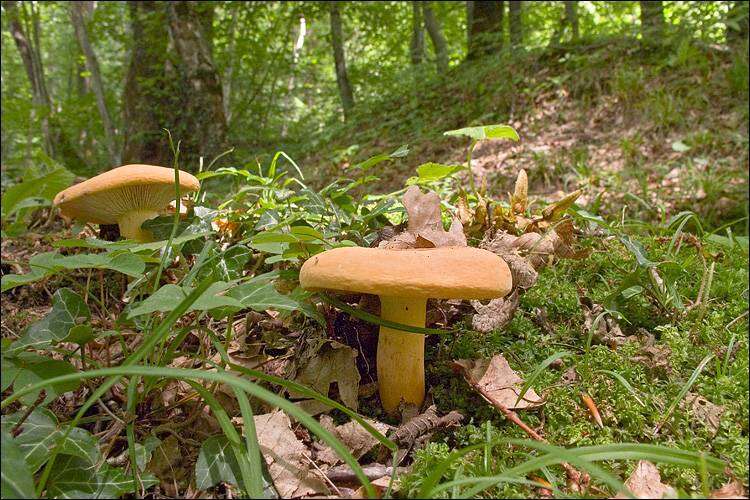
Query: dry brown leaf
point(733, 489)
point(425, 224)
point(496, 378)
point(645, 482)
point(520, 199)
point(292, 472)
point(496, 314)
point(334, 362)
point(604, 327)
point(355, 437)
point(704, 411)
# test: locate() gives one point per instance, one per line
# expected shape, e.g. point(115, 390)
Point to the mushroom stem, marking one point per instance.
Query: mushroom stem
point(130, 224)
point(400, 360)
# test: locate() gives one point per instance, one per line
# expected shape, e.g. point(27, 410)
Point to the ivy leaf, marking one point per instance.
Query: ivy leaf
point(216, 463)
point(164, 299)
point(486, 132)
point(73, 477)
point(15, 478)
point(67, 308)
point(37, 372)
point(262, 297)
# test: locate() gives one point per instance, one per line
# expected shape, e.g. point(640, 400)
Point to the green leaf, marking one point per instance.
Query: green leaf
point(436, 171)
point(217, 462)
point(486, 132)
point(67, 308)
point(44, 370)
point(262, 297)
point(73, 477)
point(164, 299)
point(15, 478)
point(636, 248)
point(50, 263)
point(680, 147)
point(371, 162)
point(45, 187)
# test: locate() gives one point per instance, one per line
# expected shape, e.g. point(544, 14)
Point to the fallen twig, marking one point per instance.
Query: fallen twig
point(578, 480)
point(428, 421)
point(344, 473)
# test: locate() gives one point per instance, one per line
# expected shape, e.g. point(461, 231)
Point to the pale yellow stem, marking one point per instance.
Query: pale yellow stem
point(401, 354)
point(130, 225)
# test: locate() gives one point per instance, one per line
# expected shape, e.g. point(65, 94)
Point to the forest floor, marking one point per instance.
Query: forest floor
point(642, 339)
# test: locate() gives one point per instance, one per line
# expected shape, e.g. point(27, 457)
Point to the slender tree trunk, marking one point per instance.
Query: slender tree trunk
point(416, 47)
point(337, 42)
point(652, 21)
point(190, 29)
point(229, 70)
point(92, 65)
point(571, 18)
point(485, 27)
point(298, 44)
point(148, 94)
point(515, 23)
point(56, 140)
point(436, 35)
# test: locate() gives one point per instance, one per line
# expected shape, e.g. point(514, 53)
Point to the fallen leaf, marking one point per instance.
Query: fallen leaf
point(733, 489)
point(503, 244)
point(645, 482)
point(292, 472)
point(334, 362)
point(497, 379)
point(604, 327)
point(520, 199)
point(704, 411)
point(355, 437)
point(496, 314)
point(425, 224)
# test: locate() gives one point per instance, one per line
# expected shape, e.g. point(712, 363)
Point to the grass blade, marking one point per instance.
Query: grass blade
point(685, 388)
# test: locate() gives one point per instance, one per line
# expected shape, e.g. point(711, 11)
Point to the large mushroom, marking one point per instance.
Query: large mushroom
point(404, 280)
point(127, 196)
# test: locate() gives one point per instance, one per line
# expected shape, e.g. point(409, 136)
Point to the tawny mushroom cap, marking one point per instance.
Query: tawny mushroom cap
point(404, 280)
point(126, 196)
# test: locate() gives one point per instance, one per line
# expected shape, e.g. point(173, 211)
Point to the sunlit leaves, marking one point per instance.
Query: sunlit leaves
point(486, 132)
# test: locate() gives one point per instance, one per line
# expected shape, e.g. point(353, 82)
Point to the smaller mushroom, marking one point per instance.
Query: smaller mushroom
point(127, 196)
point(404, 280)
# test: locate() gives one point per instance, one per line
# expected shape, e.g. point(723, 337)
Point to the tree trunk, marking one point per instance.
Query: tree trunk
point(485, 25)
point(571, 18)
point(737, 25)
point(515, 23)
point(652, 21)
point(92, 64)
point(289, 105)
point(229, 70)
point(436, 35)
point(189, 27)
point(337, 42)
point(148, 95)
point(56, 140)
point(416, 47)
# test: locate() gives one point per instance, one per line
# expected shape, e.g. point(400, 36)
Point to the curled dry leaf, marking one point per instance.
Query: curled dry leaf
point(333, 362)
point(604, 326)
point(733, 489)
point(645, 482)
point(356, 438)
point(496, 314)
point(520, 199)
point(287, 457)
point(704, 411)
point(496, 380)
point(425, 225)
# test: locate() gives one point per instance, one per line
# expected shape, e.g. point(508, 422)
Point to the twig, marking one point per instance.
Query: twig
point(328, 480)
point(16, 430)
point(428, 421)
point(344, 473)
point(574, 476)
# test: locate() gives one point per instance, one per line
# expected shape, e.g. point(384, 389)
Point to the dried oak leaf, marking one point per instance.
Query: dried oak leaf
point(287, 458)
point(605, 328)
point(502, 243)
point(645, 482)
point(496, 314)
point(333, 362)
point(497, 382)
point(425, 225)
point(733, 489)
point(355, 437)
point(704, 411)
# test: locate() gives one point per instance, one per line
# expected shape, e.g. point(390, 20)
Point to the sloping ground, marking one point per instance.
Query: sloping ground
point(666, 131)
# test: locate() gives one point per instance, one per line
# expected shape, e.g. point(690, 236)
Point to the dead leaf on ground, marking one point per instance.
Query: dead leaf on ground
point(645, 482)
point(733, 489)
point(425, 224)
point(605, 328)
point(502, 243)
point(496, 379)
point(496, 314)
point(704, 411)
point(355, 437)
point(292, 472)
point(334, 362)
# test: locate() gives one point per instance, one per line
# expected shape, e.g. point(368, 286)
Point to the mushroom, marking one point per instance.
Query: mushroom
point(404, 280)
point(126, 196)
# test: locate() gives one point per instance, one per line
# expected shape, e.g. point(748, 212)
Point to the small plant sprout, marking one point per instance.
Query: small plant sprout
point(127, 196)
point(404, 280)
